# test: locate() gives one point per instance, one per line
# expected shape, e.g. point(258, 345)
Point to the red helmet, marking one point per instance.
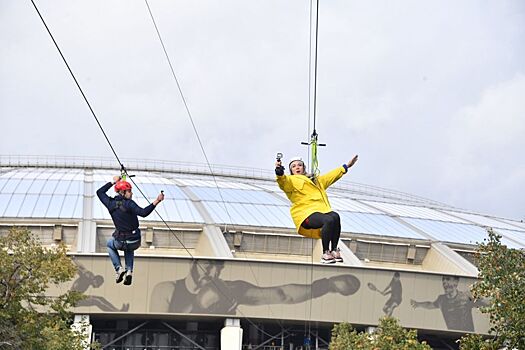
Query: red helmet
point(122, 186)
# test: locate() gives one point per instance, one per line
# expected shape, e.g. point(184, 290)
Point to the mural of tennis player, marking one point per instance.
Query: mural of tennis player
point(455, 305)
point(88, 279)
point(203, 291)
point(395, 289)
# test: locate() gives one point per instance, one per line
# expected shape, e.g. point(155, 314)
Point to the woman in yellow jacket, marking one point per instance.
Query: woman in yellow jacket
point(311, 211)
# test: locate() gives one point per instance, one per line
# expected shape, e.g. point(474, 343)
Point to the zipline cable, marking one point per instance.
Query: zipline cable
point(199, 139)
point(78, 85)
point(124, 170)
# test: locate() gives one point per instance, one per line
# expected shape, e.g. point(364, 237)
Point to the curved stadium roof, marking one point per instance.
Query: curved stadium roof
point(64, 188)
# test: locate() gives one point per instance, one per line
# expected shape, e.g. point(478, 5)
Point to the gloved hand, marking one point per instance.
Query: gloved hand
point(279, 169)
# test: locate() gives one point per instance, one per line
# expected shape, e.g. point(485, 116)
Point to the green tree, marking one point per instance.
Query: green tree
point(389, 335)
point(29, 318)
point(502, 282)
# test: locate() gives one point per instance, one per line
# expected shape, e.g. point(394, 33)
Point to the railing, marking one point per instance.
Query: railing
point(163, 166)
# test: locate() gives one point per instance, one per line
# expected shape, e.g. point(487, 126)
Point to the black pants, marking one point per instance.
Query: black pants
point(330, 225)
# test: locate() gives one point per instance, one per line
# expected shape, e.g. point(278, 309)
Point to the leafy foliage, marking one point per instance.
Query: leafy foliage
point(389, 335)
point(502, 282)
point(30, 319)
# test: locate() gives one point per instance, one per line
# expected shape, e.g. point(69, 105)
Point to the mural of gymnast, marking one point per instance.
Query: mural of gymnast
point(88, 279)
point(455, 305)
point(202, 291)
point(395, 289)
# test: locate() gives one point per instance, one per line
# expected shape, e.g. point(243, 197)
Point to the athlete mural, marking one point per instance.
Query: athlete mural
point(203, 291)
point(395, 289)
point(216, 287)
point(87, 279)
point(455, 305)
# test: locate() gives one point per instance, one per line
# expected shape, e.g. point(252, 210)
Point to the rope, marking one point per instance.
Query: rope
point(202, 149)
point(78, 85)
point(123, 169)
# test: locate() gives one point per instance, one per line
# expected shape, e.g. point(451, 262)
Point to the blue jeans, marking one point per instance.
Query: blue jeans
point(128, 247)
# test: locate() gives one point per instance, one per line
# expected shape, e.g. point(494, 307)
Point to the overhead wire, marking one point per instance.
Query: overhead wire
point(78, 85)
point(125, 170)
point(313, 142)
point(198, 138)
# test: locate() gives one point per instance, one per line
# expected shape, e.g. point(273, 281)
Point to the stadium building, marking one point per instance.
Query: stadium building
point(220, 262)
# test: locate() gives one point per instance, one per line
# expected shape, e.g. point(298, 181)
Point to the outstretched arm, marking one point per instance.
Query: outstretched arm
point(332, 176)
point(424, 304)
point(247, 293)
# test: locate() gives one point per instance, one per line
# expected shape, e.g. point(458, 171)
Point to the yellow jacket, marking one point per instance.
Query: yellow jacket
point(308, 197)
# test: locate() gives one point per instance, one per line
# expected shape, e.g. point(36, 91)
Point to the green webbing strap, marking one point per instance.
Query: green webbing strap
point(315, 163)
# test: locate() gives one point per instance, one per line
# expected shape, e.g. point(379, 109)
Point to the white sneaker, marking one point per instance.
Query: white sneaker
point(327, 258)
point(337, 255)
point(120, 274)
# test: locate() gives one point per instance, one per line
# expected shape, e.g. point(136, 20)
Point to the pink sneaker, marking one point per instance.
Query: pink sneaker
point(337, 255)
point(327, 258)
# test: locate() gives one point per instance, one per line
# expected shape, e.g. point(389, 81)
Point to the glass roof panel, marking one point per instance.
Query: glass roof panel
point(41, 206)
point(23, 186)
point(27, 206)
point(36, 186)
point(484, 221)
point(450, 232)
point(4, 202)
point(49, 187)
point(187, 211)
point(519, 225)
point(68, 207)
point(171, 191)
point(518, 236)
point(62, 187)
point(14, 205)
point(415, 212)
point(375, 224)
point(172, 212)
point(211, 183)
point(217, 212)
point(235, 195)
point(2, 183)
point(55, 206)
point(340, 203)
point(79, 206)
point(10, 186)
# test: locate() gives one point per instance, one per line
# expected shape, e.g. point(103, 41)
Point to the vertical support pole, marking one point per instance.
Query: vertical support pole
point(231, 334)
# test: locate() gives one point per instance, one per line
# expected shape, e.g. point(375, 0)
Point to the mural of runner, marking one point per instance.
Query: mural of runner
point(455, 305)
point(203, 291)
point(395, 289)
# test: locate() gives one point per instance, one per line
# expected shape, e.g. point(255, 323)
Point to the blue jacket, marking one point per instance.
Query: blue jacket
point(123, 212)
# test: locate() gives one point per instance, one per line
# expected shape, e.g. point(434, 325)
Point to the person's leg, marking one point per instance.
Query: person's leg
point(337, 229)
point(112, 246)
point(327, 225)
point(129, 256)
point(324, 222)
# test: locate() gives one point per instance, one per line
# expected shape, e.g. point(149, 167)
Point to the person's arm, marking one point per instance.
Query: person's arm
point(101, 194)
point(387, 290)
point(247, 293)
point(282, 180)
point(143, 212)
point(329, 178)
point(429, 305)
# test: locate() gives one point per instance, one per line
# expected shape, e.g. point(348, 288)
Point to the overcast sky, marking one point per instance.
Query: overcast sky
point(430, 94)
